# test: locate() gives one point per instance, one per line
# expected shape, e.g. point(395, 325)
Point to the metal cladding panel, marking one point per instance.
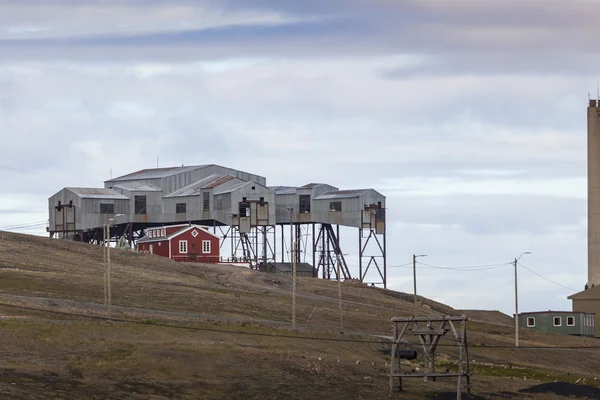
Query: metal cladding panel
point(251, 194)
point(352, 208)
point(156, 173)
point(244, 224)
point(89, 215)
point(283, 202)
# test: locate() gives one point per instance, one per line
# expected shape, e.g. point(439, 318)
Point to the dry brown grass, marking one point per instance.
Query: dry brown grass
point(50, 355)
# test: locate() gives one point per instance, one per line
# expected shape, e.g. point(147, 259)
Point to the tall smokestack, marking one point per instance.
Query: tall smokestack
point(593, 147)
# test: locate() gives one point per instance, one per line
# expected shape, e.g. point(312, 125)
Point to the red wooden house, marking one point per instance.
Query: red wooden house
point(191, 243)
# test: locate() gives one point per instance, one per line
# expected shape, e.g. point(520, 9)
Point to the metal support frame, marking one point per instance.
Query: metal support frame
point(372, 256)
point(326, 242)
point(429, 337)
point(256, 246)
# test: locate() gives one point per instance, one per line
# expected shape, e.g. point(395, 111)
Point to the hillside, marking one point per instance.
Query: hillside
point(190, 331)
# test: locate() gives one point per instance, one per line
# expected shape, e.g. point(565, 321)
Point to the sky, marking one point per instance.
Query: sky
point(469, 116)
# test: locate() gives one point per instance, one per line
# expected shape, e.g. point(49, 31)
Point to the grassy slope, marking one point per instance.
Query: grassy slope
point(55, 355)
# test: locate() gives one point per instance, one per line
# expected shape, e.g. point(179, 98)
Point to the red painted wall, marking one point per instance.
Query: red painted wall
point(195, 247)
point(160, 248)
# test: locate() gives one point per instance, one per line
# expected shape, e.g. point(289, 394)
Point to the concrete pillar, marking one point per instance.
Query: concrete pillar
point(593, 194)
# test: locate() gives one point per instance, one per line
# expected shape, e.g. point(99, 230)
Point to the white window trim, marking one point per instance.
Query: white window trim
point(559, 321)
point(204, 242)
point(572, 318)
point(181, 243)
point(531, 325)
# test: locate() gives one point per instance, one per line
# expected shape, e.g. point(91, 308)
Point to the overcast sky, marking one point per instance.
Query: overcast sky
point(469, 116)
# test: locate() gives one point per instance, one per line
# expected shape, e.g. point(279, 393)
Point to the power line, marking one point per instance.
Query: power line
point(24, 226)
point(549, 280)
point(468, 268)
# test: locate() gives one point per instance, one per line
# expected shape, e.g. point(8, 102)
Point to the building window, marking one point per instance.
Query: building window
point(107, 208)
point(304, 203)
point(205, 201)
point(162, 232)
point(206, 246)
point(183, 246)
point(335, 206)
point(218, 203)
point(244, 209)
point(530, 322)
point(571, 321)
point(180, 208)
point(140, 204)
point(557, 321)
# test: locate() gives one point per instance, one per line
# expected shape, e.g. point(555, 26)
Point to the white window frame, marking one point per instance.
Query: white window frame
point(532, 325)
point(162, 232)
point(205, 246)
point(572, 318)
point(183, 246)
point(559, 321)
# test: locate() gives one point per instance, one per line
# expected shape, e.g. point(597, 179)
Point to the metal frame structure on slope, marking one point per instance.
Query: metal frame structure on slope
point(429, 337)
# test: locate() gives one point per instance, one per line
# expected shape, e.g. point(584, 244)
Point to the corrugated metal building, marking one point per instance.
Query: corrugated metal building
point(217, 196)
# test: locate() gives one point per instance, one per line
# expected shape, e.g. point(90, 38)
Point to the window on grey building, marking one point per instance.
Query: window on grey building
point(180, 208)
point(218, 202)
point(244, 206)
point(530, 322)
point(335, 206)
point(557, 321)
point(206, 201)
point(140, 204)
point(107, 208)
point(571, 321)
point(304, 203)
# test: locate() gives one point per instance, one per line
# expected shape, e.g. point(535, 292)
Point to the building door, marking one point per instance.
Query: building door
point(151, 250)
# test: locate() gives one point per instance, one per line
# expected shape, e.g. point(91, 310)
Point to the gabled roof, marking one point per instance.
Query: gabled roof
point(283, 189)
point(157, 173)
point(176, 233)
point(97, 193)
point(342, 194)
point(195, 189)
point(136, 186)
point(241, 185)
point(311, 185)
point(592, 293)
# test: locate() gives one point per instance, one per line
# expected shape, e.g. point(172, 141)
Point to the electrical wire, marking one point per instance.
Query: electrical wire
point(468, 268)
point(549, 280)
point(23, 226)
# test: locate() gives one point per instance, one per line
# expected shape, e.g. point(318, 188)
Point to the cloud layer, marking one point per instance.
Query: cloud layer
point(469, 117)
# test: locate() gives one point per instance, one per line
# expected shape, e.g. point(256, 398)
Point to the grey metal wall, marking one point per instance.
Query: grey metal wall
point(153, 205)
point(254, 194)
point(351, 214)
point(87, 210)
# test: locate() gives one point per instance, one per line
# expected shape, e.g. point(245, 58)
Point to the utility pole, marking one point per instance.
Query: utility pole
point(108, 268)
point(339, 278)
point(108, 272)
point(516, 308)
point(293, 260)
point(517, 301)
point(104, 263)
point(415, 274)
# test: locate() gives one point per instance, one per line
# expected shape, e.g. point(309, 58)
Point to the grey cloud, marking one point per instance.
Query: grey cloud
point(498, 38)
point(487, 214)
